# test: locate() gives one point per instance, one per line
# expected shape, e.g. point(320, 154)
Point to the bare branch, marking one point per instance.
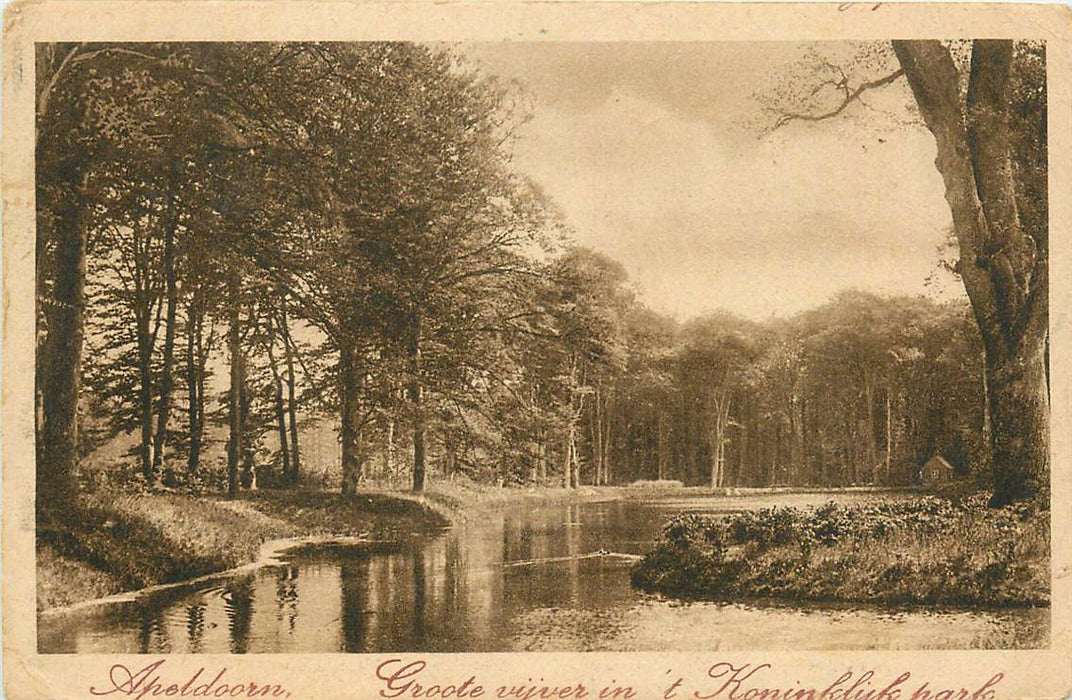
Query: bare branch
point(45, 93)
point(850, 95)
point(115, 51)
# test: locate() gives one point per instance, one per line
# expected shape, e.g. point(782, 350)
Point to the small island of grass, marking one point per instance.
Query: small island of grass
point(934, 551)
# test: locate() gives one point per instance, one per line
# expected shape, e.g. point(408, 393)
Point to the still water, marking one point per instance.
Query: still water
point(538, 578)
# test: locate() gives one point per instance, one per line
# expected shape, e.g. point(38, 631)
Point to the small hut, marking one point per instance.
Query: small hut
point(936, 471)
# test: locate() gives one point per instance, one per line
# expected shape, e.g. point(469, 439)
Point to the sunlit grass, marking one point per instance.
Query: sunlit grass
point(62, 581)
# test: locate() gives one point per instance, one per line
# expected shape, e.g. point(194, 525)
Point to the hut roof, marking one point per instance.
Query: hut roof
point(938, 460)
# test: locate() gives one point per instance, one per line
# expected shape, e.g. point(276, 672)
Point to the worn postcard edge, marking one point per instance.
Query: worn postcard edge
point(1045, 673)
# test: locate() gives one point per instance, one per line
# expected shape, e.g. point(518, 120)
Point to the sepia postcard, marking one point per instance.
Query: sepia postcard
point(536, 350)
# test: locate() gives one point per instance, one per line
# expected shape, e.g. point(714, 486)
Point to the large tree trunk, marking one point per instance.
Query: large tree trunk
point(280, 411)
point(172, 295)
point(722, 454)
point(194, 381)
point(145, 398)
point(1004, 268)
point(851, 441)
point(569, 473)
point(351, 377)
point(537, 458)
point(147, 324)
point(690, 445)
point(389, 449)
point(59, 372)
point(292, 404)
point(824, 477)
point(415, 401)
point(237, 370)
point(1020, 413)
point(248, 446)
point(62, 227)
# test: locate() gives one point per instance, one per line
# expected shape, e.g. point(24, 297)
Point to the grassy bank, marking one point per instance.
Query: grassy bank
point(126, 541)
point(930, 551)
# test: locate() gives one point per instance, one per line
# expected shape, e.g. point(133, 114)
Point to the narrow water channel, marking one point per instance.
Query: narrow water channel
point(541, 578)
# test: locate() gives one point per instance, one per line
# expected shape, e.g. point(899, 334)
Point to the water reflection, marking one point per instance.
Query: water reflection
point(238, 602)
point(526, 580)
point(286, 596)
point(356, 614)
point(195, 625)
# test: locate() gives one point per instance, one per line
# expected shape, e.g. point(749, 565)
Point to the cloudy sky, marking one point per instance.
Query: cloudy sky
point(653, 152)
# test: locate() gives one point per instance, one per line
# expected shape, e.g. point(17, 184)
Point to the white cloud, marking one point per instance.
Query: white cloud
point(702, 219)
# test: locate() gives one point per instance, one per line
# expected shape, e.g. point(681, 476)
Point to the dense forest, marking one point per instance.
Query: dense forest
point(239, 242)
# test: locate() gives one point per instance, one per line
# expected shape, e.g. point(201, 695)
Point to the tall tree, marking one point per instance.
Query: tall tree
point(289, 354)
point(84, 123)
point(171, 296)
point(277, 390)
point(237, 358)
point(589, 310)
point(999, 219)
point(717, 351)
point(991, 152)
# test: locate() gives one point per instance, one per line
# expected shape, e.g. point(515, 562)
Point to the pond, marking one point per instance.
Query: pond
point(537, 578)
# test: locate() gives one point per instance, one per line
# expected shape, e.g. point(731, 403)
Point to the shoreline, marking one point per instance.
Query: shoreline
point(271, 551)
point(126, 543)
point(78, 568)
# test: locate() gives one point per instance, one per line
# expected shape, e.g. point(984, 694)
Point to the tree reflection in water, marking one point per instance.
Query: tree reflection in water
point(419, 592)
point(195, 626)
point(238, 602)
point(286, 596)
point(356, 612)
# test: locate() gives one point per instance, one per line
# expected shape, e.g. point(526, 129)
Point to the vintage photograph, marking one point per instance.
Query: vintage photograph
point(506, 346)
